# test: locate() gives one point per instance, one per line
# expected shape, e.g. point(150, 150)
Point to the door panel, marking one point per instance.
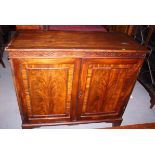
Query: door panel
point(49, 88)
point(105, 86)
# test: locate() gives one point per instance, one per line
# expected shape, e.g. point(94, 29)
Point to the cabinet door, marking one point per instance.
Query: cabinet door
point(105, 87)
point(46, 89)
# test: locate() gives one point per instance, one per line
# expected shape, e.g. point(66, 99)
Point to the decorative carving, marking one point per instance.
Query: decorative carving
point(74, 53)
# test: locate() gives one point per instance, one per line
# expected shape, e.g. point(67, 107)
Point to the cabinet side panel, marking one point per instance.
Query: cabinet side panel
point(16, 74)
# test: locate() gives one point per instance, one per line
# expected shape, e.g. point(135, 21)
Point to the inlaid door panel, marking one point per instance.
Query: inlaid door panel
point(49, 88)
point(105, 86)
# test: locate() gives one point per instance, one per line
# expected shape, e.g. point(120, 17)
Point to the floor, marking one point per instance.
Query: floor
point(137, 111)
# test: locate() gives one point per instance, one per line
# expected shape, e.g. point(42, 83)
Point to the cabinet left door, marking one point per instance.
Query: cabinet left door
point(46, 89)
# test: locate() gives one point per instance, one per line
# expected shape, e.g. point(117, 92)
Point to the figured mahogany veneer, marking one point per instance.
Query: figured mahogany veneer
point(73, 77)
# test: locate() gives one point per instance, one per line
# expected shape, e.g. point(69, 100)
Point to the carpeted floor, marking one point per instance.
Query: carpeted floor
point(137, 111)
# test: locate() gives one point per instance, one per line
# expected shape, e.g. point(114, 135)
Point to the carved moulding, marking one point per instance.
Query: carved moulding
point(51, 53)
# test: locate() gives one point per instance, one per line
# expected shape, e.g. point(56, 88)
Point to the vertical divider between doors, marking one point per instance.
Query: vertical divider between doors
point(78, 89)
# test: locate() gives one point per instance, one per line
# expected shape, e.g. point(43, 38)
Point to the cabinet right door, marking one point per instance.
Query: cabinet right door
point(105, 87)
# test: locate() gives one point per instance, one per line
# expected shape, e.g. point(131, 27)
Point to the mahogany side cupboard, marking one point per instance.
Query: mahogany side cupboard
point(73, 77)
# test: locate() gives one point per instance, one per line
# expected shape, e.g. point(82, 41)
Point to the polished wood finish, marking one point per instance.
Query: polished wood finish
point(73, 77)
point(105, 86)
point(61, 40)
point(128, 29)
point(136, 126)
point(47, 88)
point(29, 27)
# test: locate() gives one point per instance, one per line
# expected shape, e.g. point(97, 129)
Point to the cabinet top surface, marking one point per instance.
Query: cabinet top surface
point(73, 40)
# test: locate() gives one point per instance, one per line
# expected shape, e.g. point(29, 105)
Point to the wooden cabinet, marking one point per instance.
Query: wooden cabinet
point(73, 77)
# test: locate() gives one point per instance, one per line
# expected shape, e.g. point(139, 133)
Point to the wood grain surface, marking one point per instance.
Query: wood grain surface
point(29, 27)
point(74, 40)
point(73, 77)
point(47, 88)
point(105, 86)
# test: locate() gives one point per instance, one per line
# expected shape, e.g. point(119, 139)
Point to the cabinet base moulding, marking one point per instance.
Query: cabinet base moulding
point(115, 122)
